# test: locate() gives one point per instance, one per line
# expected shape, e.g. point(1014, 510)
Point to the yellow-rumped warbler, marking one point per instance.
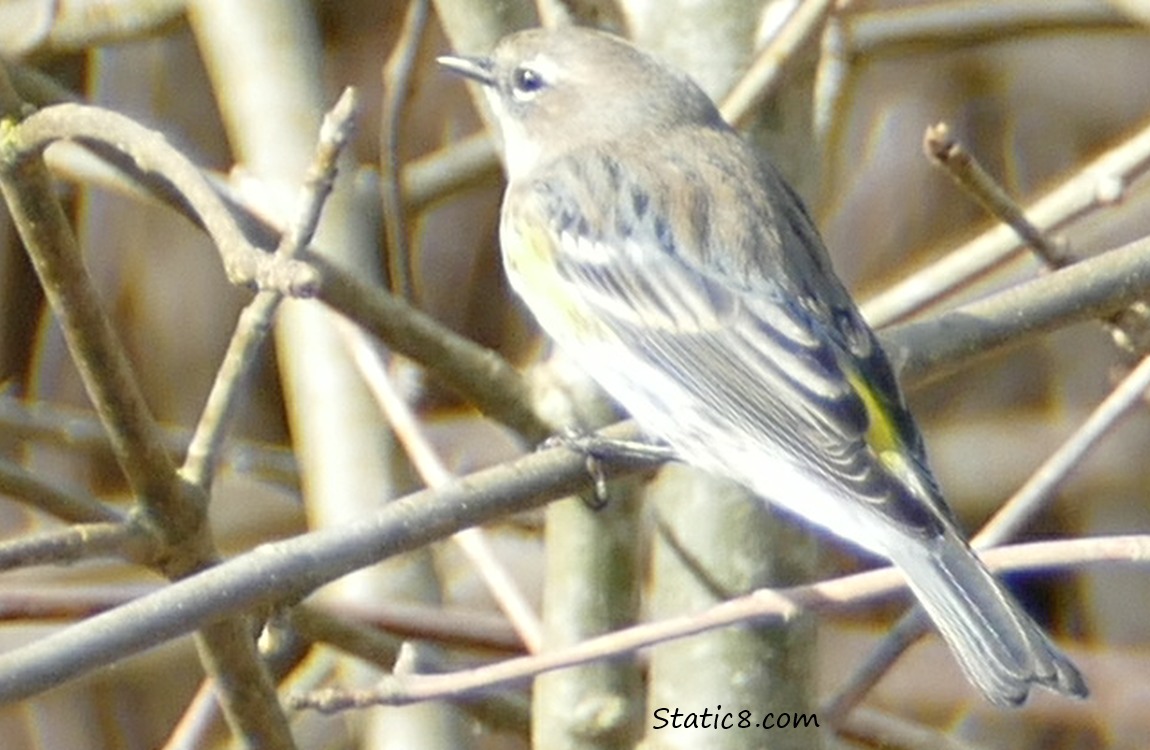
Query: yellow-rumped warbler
point(669, 257)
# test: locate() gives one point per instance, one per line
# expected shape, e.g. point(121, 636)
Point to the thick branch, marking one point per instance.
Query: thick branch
point(288, 570)
point(1094, 288)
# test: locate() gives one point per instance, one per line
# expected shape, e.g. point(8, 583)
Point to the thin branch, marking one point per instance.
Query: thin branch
point(1101, 183)
point(289, 569)
point(905, 633)
point(945, 152)
point(475, 372)
point(396, 87)
point(473, 542)
point(83, 541)
point(110, 133)
point(79, 430)
point(1122, 272)
point(46, 603)
point(1129, 327)
point(283, 568)
point(256, 319)
point(20, 484)
point(883, 730)
point(93, 343)
point(78, 26)
point(459, 628)
point(479, 374)
point(227, 649)
point(942, 26)
point(206, 709)
point(1092, 289)
point(199, 717)
point(173, 510)
point(503, 712)
point(228, 653)
point(765, 73)
point(366, 643)
point(1039, 488)
point(460, 165)
point(465, 163)
point(763, 606)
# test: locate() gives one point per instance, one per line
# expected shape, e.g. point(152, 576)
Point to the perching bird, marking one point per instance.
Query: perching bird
point(668, 256)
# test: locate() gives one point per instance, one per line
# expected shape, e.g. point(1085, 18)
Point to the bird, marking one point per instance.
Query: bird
point(666, 255)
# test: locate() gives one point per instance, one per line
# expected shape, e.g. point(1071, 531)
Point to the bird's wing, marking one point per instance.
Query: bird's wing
point(770, 344)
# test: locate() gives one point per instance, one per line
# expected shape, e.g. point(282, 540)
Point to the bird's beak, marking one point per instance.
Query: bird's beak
point(478, 69)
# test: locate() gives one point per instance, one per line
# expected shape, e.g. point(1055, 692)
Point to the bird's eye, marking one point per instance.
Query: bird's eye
point(526, 82)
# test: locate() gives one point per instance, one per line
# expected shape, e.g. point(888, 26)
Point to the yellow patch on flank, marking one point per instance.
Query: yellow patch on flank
point(529, 257)
point(882, 432)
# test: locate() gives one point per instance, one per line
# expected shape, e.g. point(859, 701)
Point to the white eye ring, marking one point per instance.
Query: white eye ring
point(526, 82)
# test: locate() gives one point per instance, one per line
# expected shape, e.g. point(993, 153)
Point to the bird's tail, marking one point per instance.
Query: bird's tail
point(1000, 648)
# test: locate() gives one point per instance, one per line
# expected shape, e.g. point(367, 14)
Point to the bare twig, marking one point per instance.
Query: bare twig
point(945, 152)
point(877, 729)
point(1092, 289)
point(242, 684)
point(949, 24)
point(1129, 327)
point(74, 27)
point(226, 649)
point(457, 166)
point(481, 375)
point(851, 36)
point(910, 627)
point(505, 712)
point(1101, 183)
point(45, 603)
point(255, 320)
point(109, 132)
point(764, 75)
point(473, 542)
point(172, 510)
point(17, 482)
point(761, 606)
point(288, 569)
point(475, 372)
point(396, 87)
point(1040, 487)
point(460, 628)
point(200, 715)
point(80, 431)
point(78, 542)
point(467, 162)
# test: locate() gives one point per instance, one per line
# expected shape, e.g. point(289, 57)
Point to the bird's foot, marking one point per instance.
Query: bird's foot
point(597, 449)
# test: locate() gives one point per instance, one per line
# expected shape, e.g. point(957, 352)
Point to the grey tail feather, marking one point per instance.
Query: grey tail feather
point(1001, 650)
